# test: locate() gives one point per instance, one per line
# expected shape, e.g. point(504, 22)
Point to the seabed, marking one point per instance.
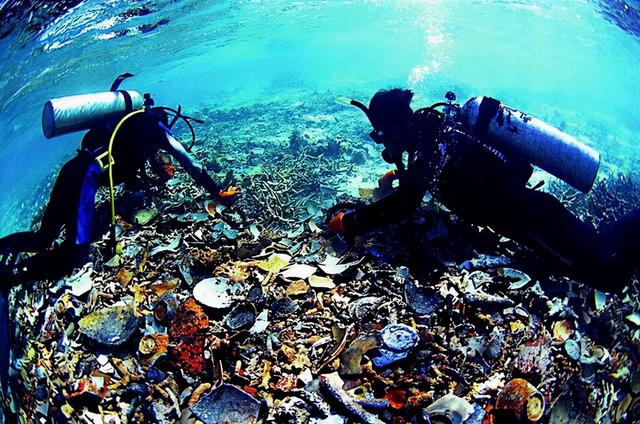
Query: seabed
point(256, 313)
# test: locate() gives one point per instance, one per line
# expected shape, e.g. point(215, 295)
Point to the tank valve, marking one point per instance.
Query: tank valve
point(148, 101)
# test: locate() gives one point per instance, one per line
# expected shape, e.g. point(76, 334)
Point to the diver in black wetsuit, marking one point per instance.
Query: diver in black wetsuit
point(485, 187)
point(71, 204)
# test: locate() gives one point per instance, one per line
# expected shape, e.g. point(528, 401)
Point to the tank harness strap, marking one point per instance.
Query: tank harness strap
point(128, 102)
point(488, 109)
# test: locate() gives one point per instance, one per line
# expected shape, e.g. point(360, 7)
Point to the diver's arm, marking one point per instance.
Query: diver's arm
point(193, 168)
point(394, 208)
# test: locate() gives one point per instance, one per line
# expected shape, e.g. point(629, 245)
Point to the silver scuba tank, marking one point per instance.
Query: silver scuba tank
point(543, 145)
point(75, 113)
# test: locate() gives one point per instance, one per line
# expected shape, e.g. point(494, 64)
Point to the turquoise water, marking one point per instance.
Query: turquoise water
point(573, 63)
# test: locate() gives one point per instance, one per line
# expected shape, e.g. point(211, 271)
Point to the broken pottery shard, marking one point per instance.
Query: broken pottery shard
point(261, 324)
point(634, 318)
point(283, 307)
point(399, 337)
point(518, 278)
point(171, 247)
point(600, 299)
point(572, 348)
point(241, 316)
point(386, 357)
point(351, 358)
point(275, 263)
point(450, 408)
point(486, 300)
point(319, 282)
point(80, 283)
point(145, 216)
point(299, 271)
point(566, 411)
point(422, 299)
point(216, 292)
point(331, 266)
point(110, 326)
point(227, 404)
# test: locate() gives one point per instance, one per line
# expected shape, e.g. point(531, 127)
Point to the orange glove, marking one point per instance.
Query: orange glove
point(230, 192)
point(386, 181)
point(335, 225)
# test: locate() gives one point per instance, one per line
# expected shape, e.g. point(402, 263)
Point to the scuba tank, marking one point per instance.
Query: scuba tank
point(75, 113)
point(522, 135)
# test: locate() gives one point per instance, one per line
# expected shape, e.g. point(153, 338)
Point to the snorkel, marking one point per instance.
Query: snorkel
point(377, 135)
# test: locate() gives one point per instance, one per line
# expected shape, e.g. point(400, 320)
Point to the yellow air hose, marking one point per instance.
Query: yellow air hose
point(110, 159)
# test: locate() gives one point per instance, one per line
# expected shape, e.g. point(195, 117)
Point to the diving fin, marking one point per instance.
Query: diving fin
point(116, 83)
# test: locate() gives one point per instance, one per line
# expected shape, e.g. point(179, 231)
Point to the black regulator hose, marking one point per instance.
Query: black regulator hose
point(178, 115)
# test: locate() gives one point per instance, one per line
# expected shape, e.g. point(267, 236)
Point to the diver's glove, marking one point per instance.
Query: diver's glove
point(229, 192)
point(337, 223)
point(385, 183)
point(229, 195)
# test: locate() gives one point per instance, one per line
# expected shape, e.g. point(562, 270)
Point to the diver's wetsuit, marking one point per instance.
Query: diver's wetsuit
point(486, 188)
point(72, 200)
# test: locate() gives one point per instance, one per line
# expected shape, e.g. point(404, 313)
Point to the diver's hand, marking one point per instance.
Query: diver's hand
point(336, 225)
point(385, 183)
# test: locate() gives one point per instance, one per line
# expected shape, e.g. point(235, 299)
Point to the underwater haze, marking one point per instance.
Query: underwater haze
point(573, 63)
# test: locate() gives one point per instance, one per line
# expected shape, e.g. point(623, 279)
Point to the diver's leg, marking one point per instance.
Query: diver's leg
point(543, 222)
point(72, 202)
point(621, 240)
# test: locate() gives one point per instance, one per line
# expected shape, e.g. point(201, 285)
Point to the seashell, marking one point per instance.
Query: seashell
point(241, 316)
point(522, 398)
point(216, 292)
point(227, 404)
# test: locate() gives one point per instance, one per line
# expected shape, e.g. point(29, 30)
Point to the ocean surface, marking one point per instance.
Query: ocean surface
point(573, 63)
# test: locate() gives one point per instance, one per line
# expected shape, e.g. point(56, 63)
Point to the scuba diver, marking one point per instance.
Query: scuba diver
point(476, 160)
point(125, 130)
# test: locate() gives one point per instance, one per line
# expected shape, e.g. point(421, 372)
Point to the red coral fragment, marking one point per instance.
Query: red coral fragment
point(189, 356)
